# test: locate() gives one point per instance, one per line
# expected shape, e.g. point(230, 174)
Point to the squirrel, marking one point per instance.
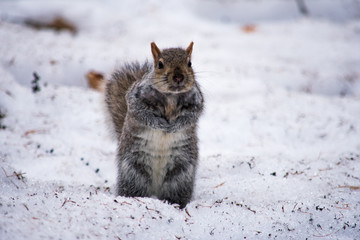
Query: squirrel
point(155, 110)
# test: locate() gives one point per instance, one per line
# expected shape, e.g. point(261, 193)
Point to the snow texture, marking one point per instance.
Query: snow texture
point(279, 140)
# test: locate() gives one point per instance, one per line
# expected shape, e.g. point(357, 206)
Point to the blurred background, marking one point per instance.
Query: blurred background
point(63, 40)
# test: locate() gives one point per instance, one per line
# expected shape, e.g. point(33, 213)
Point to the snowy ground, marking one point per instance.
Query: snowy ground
point(279, 140)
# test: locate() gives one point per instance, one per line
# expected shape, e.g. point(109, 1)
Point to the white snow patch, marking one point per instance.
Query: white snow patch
point(279, 140)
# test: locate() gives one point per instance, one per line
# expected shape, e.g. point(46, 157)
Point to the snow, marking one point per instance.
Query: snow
point(279, 140)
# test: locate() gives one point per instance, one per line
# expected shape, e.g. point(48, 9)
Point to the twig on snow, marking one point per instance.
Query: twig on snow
point(33, 131)
point(350, 187)
point(327, 235)
point(66, 201)
point(157, 211)
point(220, 185)
point(121, 203)
point(251, 210)
point(139, 200)
point(199, 205)
point(19, 176)
point(293, 210)
point(27, 208)
point(187, 212)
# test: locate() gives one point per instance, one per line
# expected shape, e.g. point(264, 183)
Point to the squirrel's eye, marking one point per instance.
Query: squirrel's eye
point(189, 64)
point(161, 65)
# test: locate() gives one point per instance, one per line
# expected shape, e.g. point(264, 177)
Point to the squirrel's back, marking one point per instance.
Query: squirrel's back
point(120, 82)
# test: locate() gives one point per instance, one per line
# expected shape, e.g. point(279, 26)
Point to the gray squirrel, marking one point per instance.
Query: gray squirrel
point(155, 110)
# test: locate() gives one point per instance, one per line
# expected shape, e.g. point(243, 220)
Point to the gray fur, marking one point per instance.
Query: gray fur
point(157, 152)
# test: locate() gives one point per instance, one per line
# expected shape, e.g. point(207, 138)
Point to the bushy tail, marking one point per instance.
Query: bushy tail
point(116, 89)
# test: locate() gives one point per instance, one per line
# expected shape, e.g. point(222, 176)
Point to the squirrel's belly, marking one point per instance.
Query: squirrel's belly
point(160, 147)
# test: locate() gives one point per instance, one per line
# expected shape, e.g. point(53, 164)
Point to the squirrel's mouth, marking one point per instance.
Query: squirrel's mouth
point(179, 88)
point(176, 88)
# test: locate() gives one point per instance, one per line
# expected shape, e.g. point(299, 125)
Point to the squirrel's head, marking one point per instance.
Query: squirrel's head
point(172, 69)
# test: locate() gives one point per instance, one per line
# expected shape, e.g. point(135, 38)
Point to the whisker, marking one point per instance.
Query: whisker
point(160, 81)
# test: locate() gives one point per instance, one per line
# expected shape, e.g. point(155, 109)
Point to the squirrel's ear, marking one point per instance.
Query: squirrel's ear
point(155, 51)
point(189, 49)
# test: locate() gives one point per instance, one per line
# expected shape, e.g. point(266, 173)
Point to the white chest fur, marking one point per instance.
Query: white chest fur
point(159, 145)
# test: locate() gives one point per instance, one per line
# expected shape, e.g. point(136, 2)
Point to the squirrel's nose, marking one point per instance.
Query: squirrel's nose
point(178, 78)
